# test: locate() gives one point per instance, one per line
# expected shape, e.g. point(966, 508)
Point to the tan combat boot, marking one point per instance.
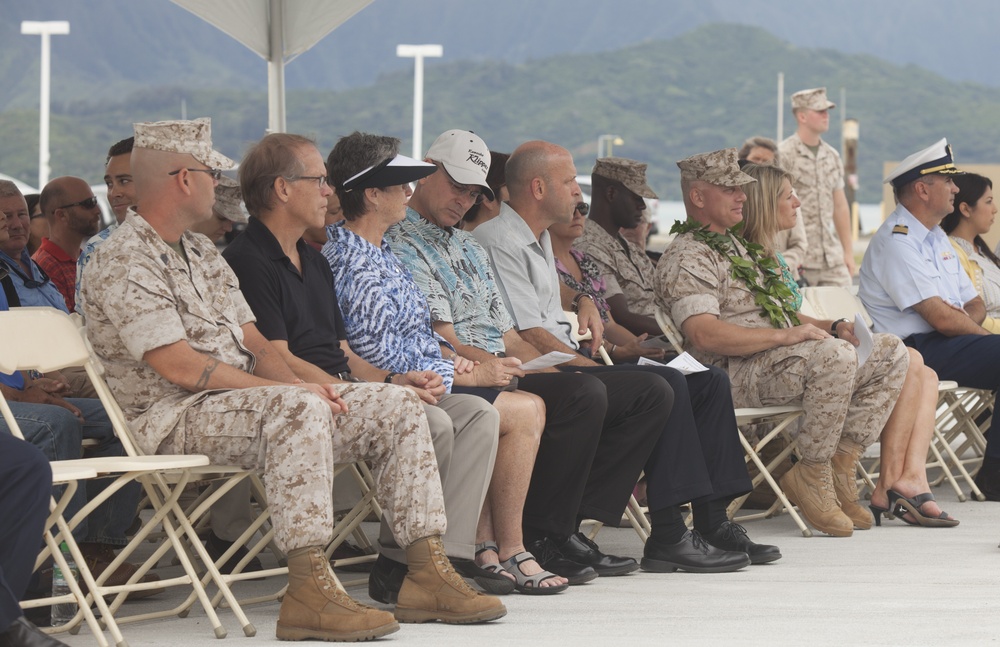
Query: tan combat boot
point(314, 607)
point(845, 483)
point(433, 590)
point(810, 486)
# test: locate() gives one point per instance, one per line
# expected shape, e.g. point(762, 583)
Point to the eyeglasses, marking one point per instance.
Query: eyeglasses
point(461, 190)
point(216, 173)
point(319, 179)
point(30, 283)
point(89, 203)
point(583, 208)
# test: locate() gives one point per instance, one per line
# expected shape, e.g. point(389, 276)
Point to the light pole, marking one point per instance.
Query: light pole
point(418, 53)
point(613, 140)
point(45, 30)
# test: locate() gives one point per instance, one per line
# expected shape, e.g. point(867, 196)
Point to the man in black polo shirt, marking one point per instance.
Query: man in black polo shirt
point(288, 286)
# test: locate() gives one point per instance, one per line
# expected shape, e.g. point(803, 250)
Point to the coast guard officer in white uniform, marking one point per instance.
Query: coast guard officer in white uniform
point(913, 286)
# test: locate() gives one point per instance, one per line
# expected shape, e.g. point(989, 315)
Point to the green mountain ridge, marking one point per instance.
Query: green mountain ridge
point(707, 89)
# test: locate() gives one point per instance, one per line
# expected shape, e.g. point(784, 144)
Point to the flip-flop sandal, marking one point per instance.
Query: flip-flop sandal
point(530, 584)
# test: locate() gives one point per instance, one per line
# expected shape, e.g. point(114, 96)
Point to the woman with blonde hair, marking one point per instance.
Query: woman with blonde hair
point(902, 489)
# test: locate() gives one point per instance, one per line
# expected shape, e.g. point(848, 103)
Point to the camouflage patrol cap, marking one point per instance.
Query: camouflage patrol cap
point(227, 200)
point(191, 137)
point(812, 99)
point(630, 173)
point(721, 168)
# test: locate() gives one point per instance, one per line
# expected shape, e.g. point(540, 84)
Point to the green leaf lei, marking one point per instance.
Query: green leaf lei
point(774, 297)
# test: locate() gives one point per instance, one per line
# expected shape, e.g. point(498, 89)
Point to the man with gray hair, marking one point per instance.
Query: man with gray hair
point(818, 179)
point(194, 375)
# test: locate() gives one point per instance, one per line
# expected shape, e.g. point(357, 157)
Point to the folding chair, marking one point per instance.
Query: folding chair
point(956, 433)
point(49, 340)
point(779, 418)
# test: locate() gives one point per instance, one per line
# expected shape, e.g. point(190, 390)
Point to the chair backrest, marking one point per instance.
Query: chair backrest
point(39, 339)
point(670, 331)
point(47, 339)
point(832, 302)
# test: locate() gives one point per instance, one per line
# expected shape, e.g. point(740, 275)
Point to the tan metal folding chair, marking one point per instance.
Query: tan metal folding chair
point(779, 418)
point(50, 340)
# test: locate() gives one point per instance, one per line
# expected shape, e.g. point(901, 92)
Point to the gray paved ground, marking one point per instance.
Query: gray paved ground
point(893, 585)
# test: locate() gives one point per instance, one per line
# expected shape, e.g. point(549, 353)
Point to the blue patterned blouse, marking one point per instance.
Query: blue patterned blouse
point(387, 319)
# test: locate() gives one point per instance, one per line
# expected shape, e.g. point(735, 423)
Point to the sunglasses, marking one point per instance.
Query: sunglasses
point(583, 208)
point(216, 173)
point(89, 203)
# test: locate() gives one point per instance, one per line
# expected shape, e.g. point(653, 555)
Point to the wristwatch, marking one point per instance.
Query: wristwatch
point(833, 326)
point(576, 301)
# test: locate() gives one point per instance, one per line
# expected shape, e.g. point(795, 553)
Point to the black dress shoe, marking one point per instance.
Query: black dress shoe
point(733, 537)
point(692, 554)
point(386, 579)
point(548, 557)
point(582, 550)
point(488, 581)
point(988, 479)
point(24, 634)
point(216, 547)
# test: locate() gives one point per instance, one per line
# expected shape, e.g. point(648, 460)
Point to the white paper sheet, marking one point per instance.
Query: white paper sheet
point(683, 363)
point(554, 358)
point(867, 343)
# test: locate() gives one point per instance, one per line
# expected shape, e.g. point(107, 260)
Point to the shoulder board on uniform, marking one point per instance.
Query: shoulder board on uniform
point(901, 229)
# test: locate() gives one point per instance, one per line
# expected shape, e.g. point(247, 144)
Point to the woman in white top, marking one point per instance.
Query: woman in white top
point(973, 217)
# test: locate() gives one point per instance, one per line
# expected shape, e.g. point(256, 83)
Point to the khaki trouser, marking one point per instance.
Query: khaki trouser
point(465, 432)
point(836, 276)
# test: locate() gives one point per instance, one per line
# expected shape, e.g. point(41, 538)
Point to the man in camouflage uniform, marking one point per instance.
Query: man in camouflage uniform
point(819, 182)
point(619, 186)
point(846, 405)
point(194, 375)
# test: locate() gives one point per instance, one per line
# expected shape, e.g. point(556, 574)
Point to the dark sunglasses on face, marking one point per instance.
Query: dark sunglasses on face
point(89, 203)
point(583, 208)
point(216, 173)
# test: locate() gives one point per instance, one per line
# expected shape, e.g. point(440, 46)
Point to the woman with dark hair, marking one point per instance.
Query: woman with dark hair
point(973, 217)
point(488, 209)
point(902, 489)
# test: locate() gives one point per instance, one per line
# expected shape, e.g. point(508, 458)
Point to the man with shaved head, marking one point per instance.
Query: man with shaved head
point(696, 456)
point(74, 216)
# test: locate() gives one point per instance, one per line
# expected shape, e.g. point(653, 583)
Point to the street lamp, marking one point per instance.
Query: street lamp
point(612, 140)
point(417, 53)
point(45, 30)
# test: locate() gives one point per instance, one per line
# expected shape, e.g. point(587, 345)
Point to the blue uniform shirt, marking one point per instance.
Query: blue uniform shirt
point(905, 264)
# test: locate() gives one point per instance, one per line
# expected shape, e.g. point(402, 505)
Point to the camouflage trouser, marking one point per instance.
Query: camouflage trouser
point(840, 399)
point(293, 437)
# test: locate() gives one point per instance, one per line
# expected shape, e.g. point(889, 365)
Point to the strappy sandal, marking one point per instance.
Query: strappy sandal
point(901, 505)
point(491, 577)
point(531, 584)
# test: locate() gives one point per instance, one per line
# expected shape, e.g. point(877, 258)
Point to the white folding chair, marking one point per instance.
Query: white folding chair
point(49, 340)
point(778, 418)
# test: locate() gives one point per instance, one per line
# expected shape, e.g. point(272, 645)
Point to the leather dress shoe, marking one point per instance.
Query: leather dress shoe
point(24, 634)
point(988, 479)
point(582, 550)
point(733, 537)
point(548, 557)
point(386, 579)
point(692, 554)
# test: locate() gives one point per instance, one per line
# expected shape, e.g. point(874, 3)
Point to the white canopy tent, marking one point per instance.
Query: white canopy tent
point(277, 30)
